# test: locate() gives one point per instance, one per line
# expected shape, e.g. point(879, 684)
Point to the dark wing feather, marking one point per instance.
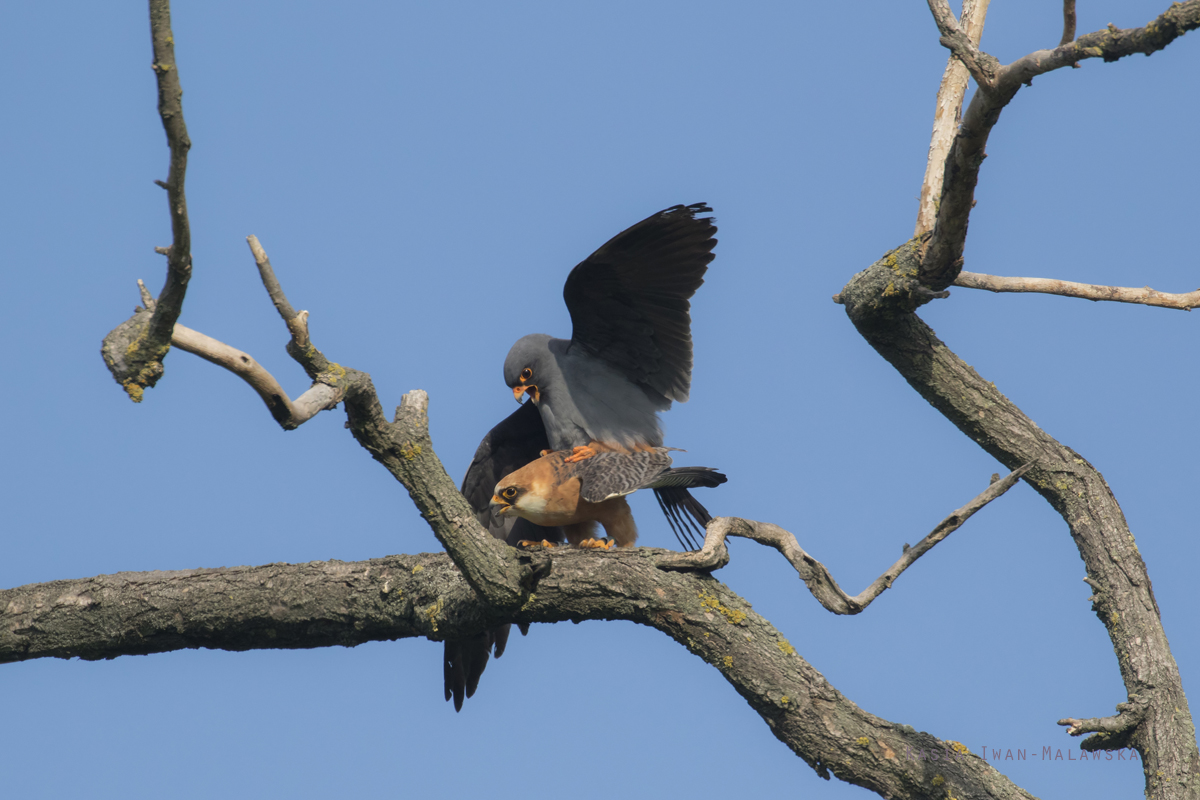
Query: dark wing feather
point(512, 444)
point(685, 513)
point(629, 299)
point(517, 440)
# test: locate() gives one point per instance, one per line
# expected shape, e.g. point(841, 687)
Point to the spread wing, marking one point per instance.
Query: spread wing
point(512, 444)
point(629, 300)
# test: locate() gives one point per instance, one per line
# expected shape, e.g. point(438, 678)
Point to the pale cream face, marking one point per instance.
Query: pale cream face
point(540, 502)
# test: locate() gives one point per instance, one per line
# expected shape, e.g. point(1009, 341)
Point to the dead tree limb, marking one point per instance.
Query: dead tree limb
point(881, 302)
point(946, 115)
point(328, 603)
point(816, 576)
point(135, 349)
point(1086, 291)
point(942, 259)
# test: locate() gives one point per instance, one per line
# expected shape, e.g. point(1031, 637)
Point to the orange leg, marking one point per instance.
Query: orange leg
point(579, 454)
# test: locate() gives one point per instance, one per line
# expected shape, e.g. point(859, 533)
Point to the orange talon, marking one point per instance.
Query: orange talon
point(531, 543)
point(598, 544)
point(579, 454)
point(545, 453)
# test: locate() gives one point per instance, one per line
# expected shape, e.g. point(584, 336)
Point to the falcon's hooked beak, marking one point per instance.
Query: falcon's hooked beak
point(532, 390)
point(500, 505)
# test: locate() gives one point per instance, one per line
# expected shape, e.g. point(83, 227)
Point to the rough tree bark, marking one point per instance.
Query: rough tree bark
point(479, 582)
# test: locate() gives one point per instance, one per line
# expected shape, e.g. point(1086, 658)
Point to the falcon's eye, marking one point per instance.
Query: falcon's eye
point(526, 374)
point(509, 493)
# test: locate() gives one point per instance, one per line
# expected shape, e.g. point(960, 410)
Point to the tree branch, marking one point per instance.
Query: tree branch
point(816, 575)
point(981, 65)
point(1068, 34)
point(290, 415)
point(135, 349)
point(1086, 291)
point(946, 115)
point(943, 255)
point(880, 301)
point(347, 603)
point(1114, 732)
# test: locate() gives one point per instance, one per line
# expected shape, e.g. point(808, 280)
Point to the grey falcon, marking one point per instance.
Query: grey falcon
point(629, 357)
point(630, 351)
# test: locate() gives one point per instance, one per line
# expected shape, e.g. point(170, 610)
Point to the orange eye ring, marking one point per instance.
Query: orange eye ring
point(509, 493)
point(526, 374)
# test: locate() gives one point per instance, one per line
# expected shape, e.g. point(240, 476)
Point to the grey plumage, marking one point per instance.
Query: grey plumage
point(630, 351)
point(606, 475)
point(583, 399)
point(629, 357)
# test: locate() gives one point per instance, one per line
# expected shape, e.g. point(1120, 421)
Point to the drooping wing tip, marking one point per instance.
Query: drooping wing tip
point(685, 514)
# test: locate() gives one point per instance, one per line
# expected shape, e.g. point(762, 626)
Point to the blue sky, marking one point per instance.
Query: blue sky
point(423, 178)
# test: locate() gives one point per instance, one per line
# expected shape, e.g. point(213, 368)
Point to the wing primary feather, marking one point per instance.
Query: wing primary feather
point(681, 534)
point(629, 300)
point(685, 511)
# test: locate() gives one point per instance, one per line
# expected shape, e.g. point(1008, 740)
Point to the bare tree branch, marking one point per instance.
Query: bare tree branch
point(323, 395)
point(135, 349)
point(981, 65)
point(1113, 733)
point(327, 603)
point(943, 255)
point(946, 115)
point(816, 575)
point(289, 414)
point(1068, 34)
point(1086, 291)
point(880, 302)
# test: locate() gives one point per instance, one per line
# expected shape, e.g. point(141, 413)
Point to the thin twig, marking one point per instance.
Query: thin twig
point(135, 349)
point(270, 282)
point(300, 347)
point(1086, 291)
point(814, 574)
point(170, 108)
point(946, 116)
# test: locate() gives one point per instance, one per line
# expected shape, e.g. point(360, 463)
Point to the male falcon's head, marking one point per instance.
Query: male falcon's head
point(528, 366)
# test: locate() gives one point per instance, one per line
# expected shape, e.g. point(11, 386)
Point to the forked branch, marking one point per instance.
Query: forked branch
point(881, 304)
point(815, 574)
point(942, 259)
point(964, 47)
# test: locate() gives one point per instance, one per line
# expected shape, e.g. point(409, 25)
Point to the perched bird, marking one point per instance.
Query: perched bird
point(629, 357)
point(630, 351)
point(576, 494)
